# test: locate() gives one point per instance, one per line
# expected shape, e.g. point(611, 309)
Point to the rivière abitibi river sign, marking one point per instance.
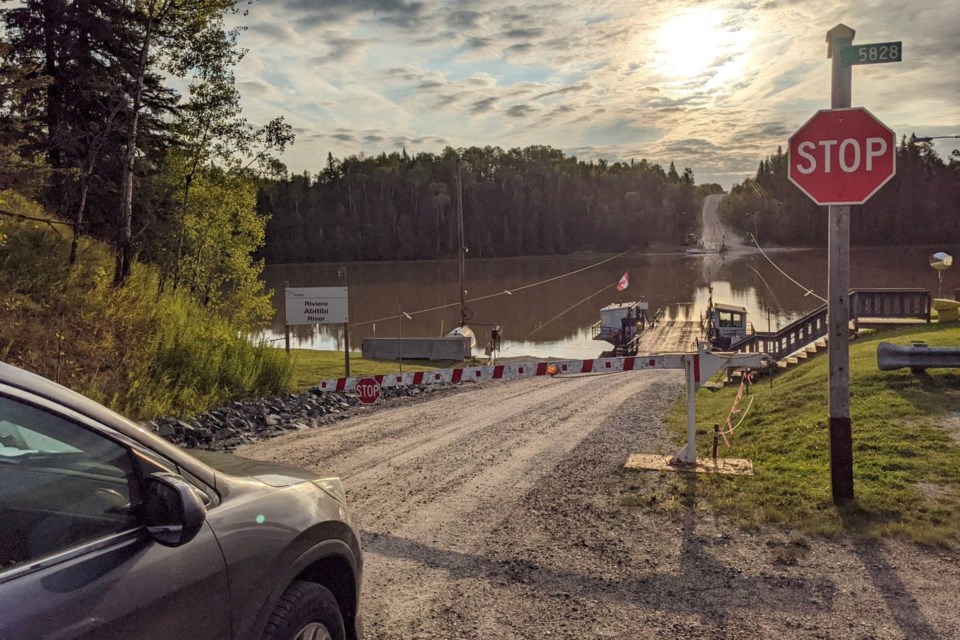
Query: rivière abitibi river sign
point(842, 156)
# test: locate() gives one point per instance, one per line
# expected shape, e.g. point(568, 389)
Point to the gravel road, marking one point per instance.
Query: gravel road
point(714, 233)
point(498, 512)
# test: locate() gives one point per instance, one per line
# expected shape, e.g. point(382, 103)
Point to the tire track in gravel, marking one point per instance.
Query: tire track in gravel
point(496, 512)
point(367, 441)
point(441, 475)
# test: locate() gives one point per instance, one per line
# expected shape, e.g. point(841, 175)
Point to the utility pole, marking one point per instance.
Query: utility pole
point(346, 329)
point(461, 253)
point(838, 293)
point(286, 327)
point(400, 334)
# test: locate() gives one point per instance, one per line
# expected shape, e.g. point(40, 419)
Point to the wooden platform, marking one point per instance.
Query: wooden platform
point(722, 466)
point(670, 336)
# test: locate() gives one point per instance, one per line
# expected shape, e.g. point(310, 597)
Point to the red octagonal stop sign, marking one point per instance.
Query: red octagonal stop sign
point(368, 390)
point(842, 156)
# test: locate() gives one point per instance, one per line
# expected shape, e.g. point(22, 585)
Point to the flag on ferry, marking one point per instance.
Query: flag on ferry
point(624, 282)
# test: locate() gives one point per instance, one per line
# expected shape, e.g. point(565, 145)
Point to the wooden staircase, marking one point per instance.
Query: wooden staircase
point(809, 351)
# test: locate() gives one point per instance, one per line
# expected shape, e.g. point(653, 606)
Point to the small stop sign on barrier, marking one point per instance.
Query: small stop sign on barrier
point(368, 390)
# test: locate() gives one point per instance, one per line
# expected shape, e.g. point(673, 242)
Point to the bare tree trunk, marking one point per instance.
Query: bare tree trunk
point(125, 237)
point(182, 232)
point(78, 222)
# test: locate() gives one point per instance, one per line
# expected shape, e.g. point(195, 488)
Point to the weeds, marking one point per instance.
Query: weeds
point(141, 352)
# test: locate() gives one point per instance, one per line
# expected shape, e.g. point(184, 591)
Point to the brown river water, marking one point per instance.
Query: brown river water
point(555, 319)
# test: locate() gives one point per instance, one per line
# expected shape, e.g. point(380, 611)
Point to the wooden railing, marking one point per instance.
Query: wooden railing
point(889, 303)
point(783, 342)
point(864, 303)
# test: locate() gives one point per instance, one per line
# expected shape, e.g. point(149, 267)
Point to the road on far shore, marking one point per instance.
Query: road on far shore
point(498, 511)
point(714, 234)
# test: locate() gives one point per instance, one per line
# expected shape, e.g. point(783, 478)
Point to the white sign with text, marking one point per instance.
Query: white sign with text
point(317, 305)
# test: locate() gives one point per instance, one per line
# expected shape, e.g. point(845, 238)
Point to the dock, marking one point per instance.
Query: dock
point(670, 336)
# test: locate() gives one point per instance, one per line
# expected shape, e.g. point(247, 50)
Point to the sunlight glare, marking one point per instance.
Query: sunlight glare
point(689, 43)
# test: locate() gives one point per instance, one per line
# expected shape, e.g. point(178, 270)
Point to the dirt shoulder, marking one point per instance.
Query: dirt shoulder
point(498, 513)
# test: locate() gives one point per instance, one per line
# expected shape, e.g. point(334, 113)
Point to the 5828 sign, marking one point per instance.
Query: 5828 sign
point(873, 53)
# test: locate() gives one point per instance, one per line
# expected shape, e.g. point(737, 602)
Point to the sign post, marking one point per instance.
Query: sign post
point(838, 295)
point(841, 157)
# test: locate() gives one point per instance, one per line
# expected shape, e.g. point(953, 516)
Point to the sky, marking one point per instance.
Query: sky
point(713, 85)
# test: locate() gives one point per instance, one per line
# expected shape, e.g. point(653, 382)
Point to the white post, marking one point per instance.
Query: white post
point(688, 455)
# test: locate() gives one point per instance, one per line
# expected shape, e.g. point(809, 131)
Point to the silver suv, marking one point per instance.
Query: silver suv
point(107, 531)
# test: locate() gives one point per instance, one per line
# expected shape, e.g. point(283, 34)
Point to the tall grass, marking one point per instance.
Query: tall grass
point(139, 351)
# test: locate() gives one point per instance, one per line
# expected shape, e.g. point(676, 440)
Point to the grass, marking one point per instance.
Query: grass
point(137, 351)
point(906, 448)
point(310, 367)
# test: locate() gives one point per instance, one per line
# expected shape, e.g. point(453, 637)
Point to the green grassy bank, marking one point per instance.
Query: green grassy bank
point(906, 438)
point(138, 350)
point(310, 367)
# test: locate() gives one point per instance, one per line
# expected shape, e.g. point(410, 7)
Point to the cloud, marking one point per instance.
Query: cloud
point(340, 47)
point(518, 48)
point(571, 89)
point(465, 19)
point(523, 34)
point(586, 76)
point(483, 106)
point(255, 87)
point(520, 111)
point(314, 13)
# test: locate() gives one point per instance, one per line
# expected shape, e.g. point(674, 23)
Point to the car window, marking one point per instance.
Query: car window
point(61, 484)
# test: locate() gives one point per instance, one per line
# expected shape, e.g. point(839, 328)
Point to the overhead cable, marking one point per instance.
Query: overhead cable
point(508, 292)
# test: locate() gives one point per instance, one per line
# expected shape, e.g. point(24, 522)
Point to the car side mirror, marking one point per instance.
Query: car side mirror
point(172, 510)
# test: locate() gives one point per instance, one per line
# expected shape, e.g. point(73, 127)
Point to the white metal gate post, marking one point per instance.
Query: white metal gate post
point(688, 455)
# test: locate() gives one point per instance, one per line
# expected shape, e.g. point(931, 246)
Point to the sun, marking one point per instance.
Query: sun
point(691, 42)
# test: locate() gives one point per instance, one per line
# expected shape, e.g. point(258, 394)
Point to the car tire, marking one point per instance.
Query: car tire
point(306, 611)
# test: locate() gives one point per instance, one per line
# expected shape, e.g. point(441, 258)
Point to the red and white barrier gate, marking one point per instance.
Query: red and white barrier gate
point(699, 367)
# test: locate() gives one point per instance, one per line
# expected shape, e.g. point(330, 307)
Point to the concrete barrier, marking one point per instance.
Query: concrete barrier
point(456, 348)
point(946, 309)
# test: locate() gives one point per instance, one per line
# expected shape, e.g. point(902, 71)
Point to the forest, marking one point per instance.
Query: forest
point(530, 201)
point(920, 204)
point(93, 128)
point(128, 193)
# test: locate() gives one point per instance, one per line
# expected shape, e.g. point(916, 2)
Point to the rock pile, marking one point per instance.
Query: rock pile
point(246, 421)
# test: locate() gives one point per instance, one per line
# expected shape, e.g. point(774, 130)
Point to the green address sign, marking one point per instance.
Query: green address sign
point(873, 53)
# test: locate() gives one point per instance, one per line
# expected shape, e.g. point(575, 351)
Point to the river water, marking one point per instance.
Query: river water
point(554, 319)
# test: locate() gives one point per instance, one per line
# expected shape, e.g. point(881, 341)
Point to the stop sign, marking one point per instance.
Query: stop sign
point(842, 156)
point(368, 390)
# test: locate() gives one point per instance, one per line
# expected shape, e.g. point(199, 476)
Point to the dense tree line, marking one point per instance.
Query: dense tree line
point(920, 205)
point(91, 126)
point(530, 201)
